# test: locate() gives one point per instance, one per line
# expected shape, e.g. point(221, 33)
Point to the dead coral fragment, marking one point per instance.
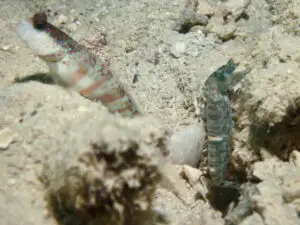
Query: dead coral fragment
point(189, 17)
point(112, 183)
point(272, 105)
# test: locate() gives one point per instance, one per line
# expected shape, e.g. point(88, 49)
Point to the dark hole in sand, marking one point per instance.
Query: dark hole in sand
point(280, 139)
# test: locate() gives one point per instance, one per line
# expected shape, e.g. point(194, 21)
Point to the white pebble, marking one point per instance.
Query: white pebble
point(294, 158)
point(6, 137)
point(11, 182)
point(6, 47)
point(178, 49)
point(71, 27)
point(82, 109)
point(62, 18)
point(186, 145)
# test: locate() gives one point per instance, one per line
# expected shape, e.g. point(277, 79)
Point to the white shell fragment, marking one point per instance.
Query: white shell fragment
point(6, 137)
point(186, 145)
point(294, 158)
point(196, 179)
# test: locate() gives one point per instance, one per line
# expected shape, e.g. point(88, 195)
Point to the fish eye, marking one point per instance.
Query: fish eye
point(40, 21)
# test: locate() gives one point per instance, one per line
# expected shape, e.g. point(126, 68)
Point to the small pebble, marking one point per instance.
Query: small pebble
point(6, 137)
point(291, 186)
point(62, 6)
point(82, 109)
point(197, 29)
point(77, 22)
point(6, 47)
point(178, 49)
point(294, 158)
point(71, 27)
point(62, 18)
point(46, 213)
point(228, 31)
point(11, 182)
point(135, 78)
point(205, 9)
point(186, 145)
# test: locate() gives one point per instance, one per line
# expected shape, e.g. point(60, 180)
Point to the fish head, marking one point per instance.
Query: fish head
point(44, 39)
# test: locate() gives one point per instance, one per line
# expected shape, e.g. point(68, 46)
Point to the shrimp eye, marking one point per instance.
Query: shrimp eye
point(39, 21)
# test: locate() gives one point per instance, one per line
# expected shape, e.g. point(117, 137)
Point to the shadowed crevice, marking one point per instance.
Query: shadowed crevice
point(39, 77)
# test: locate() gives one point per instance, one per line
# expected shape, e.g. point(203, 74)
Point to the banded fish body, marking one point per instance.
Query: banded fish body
point(72, 66)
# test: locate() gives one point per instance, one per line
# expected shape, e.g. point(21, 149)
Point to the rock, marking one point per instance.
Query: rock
point(291, 186)
point(224, 31)
point(244, 207)
point(196, 179)
point(173, 181)
point(196, 28)
point(6, 47)
point(255, 218)
point(236, 7)
point(72, 27)
point(270, 168)
point(204, 8)
point(62, 19)
point(178, 49)
point(271, 109)
point(269, 204)
point(294, 158)
point(190, 17)
point(186, 145)
point(275, 213)
point(6, 137)
point(227, 32)
point(296, 205)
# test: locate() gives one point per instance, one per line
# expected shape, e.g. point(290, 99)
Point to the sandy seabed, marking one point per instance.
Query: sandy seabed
point(46, 130)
